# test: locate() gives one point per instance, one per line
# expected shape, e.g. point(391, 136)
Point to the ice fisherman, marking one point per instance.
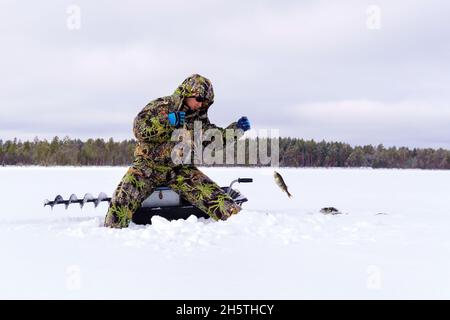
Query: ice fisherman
point(153, 165)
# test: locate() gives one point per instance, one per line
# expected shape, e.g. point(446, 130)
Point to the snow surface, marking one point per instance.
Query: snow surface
point(392, 241)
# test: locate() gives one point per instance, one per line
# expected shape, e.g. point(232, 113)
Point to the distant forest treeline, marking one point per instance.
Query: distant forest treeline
point(293, 153)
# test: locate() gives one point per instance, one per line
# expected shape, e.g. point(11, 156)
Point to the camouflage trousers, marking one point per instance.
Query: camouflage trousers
point(192, 184)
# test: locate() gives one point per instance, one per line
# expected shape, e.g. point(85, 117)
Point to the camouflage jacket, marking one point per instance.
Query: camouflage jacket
point(151, 126)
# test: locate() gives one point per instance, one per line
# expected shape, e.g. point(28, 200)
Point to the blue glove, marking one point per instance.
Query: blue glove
point(243, 123)
point(176, 118)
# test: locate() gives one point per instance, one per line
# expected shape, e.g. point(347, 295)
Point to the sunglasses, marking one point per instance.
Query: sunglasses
point(200, 99)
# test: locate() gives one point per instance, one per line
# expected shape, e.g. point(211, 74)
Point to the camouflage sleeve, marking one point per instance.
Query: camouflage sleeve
point(208, 125)
point(151, 124)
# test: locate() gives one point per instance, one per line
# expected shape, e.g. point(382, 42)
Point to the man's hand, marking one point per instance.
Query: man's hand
point(243, 123)
point(176, 118)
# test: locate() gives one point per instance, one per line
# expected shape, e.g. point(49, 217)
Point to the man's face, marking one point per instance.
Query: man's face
point(193, 104)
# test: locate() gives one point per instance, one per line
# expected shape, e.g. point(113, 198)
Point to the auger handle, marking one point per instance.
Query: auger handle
point(240, 180)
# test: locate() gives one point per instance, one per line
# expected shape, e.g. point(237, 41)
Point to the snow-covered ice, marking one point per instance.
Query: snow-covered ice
point(392, 240)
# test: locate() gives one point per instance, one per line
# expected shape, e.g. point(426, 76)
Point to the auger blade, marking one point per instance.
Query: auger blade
point(74, 199)
point(49, 203)
point(101, 197)
point(87, 198)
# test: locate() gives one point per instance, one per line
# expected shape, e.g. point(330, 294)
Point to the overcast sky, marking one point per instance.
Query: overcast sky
point(333, 70)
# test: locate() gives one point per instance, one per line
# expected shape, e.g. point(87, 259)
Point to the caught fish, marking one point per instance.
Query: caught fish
point(280, 182)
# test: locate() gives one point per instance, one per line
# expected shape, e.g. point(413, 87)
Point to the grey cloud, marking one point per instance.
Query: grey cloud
point(265, 59)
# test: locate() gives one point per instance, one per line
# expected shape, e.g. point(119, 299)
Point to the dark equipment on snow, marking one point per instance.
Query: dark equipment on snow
point(162, 202)
point(330, 210)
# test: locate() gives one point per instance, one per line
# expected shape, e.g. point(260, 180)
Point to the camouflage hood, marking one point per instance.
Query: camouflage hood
point(195, 86)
